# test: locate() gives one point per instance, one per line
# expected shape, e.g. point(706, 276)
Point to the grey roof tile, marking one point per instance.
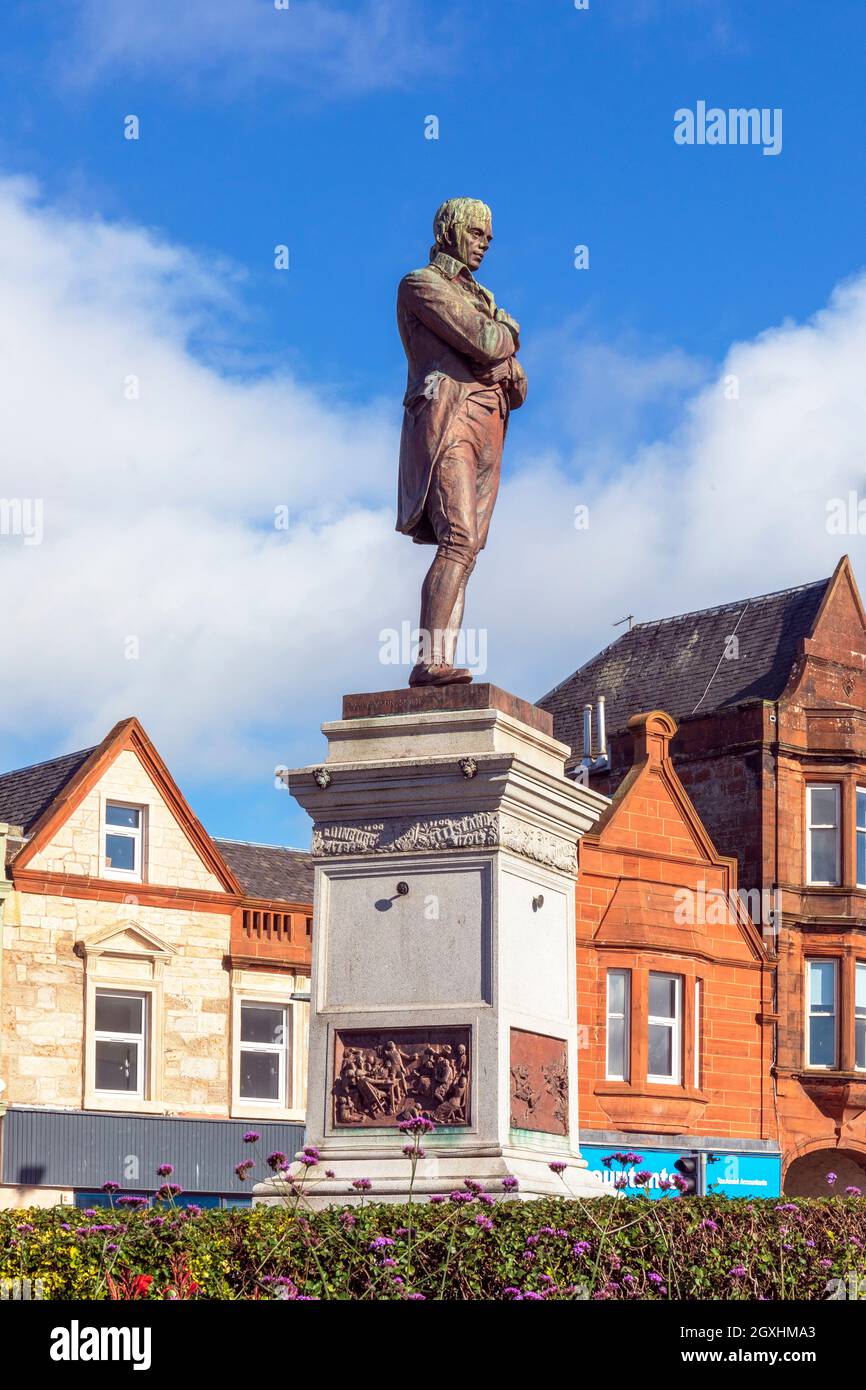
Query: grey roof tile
point(27, 792)
point(270, 871)
point(679, 664)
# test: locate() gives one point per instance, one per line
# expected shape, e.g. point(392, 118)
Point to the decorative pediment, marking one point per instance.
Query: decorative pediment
point(125, 939)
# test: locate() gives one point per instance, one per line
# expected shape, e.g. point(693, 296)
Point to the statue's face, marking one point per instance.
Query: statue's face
point(470, 240)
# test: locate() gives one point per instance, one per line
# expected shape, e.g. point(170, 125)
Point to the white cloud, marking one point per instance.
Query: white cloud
point(326, 47)
point(159, 511)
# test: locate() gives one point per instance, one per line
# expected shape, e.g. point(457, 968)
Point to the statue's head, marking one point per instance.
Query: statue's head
point(463, 227)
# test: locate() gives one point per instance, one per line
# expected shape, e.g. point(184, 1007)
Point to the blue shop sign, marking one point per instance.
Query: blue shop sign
point(744, 1175)
point(726, 1174)
point(659, 1162)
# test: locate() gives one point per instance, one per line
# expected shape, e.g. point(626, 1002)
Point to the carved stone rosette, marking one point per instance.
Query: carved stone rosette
point(382, 1076)
point(539, 1082)
point(474, 830)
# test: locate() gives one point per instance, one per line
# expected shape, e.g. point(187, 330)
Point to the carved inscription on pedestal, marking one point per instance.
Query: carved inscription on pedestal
point(539, 1082)
point(384, 1076)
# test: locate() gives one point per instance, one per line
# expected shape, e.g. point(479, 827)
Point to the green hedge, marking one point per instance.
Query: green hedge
point(463, 1248)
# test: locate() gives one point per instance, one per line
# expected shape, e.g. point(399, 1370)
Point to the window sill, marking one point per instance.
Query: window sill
point(647, 1106)
point(262, 1112)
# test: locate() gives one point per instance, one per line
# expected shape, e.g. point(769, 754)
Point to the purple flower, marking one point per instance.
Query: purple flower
point(411, 1152)
point(418, 1124)
point(831, 1178)
point(786, 1206)
point(111, 1187)
point(276, 1161)
point(347, 1220)
point(582, 1247)
point(362, 1185)
point(329, 1173)
point(709, 1225)
point(307, 1160)
point(643, 1177)
point(484, 1222)
point(437, 1198)
point(620, 1182)
point(132, 1201)
point(655, 1278)
point(251, 1137)
point(242, 1169)
point(416, 1297)
point(510, 1184)
point(169, 1190)
point(738, 1272)
point(557, 1166)
point(458, 1197)
point(379, 1243)
point(165, 1170)
point(826, 1264)
point(853, 1192)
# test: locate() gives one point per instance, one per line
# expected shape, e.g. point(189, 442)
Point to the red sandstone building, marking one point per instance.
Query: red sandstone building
point(769, 758)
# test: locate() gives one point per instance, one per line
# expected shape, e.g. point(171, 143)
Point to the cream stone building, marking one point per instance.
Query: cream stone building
point(153, 981)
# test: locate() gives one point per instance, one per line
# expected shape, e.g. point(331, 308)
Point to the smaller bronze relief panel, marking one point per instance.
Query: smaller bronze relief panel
point(539, 1082)
point(382, 1076)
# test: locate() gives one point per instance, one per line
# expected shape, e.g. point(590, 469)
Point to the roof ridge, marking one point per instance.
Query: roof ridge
point(31, 767)
point(734, 603)
point(257, 844)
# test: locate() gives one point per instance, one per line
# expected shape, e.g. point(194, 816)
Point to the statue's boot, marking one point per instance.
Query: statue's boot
point(441, 598)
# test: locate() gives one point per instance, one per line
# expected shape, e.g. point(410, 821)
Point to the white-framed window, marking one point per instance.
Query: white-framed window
point(860, 1016)
point(123, 849)
point(861, 837)
point(264, 1053)
point(120, 1043)
point(697, 1034)
point(618, 1008)
point(821, 1013)
point(822, 833)
point(665, 1028)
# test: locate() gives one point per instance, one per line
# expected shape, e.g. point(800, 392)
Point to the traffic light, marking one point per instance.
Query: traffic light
point(687, 1167)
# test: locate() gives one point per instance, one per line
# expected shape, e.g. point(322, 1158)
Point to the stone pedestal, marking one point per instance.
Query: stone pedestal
point(443, 980)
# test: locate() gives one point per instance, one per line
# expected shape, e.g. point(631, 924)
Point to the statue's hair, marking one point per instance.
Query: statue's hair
point(458, 210)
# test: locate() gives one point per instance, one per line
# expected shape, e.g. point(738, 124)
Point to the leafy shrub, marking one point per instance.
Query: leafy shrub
point(462, 1247)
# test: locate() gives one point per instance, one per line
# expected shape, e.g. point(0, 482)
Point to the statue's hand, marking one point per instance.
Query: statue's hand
point(501, 317)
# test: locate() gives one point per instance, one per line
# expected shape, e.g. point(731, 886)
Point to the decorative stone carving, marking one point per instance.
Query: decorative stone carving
point(475, 830)
point(321, 777)
point(536, 844)
point(469, 767)
point(382, 1076)
point(539, 1082)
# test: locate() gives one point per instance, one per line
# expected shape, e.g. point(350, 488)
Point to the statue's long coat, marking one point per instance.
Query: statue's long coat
point(446, 322)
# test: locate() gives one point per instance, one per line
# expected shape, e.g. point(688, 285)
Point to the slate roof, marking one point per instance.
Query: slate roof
point(29, 791)
point(679, 665)
point(270, 871)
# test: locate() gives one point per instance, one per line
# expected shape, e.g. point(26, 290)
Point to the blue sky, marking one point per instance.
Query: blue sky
point(306, 127)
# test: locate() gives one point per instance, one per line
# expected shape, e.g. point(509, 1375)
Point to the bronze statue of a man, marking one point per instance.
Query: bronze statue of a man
point(464, 379)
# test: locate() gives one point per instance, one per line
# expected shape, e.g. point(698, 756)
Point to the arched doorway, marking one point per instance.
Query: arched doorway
point(807, 1176)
